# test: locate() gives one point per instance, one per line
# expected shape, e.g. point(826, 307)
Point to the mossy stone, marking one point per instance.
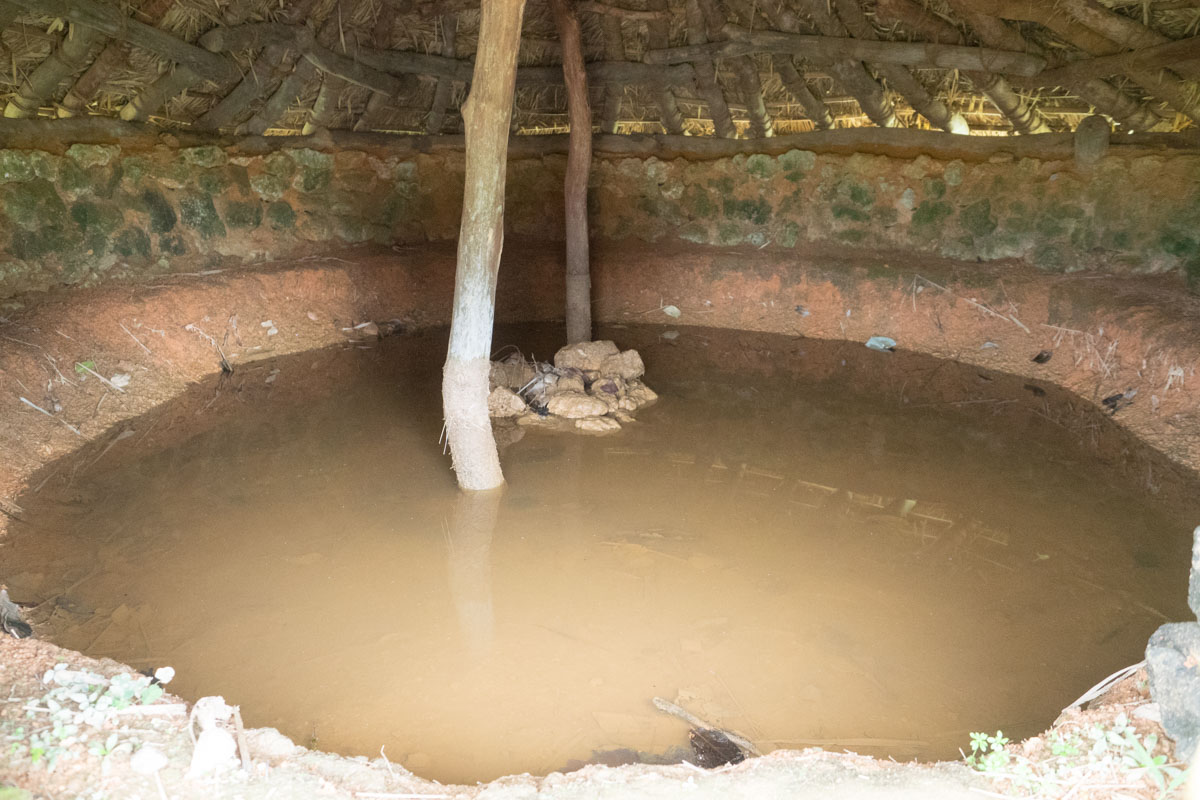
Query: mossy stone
point(15, 166)
point(268, 187)
point(213, 181)
point(697, 202)
point(172, 245)
point(761, 166)
point(861, 195)
point(96, 218)
point(797, 162)
point(243, 215)
point(281, 216)
point(729, 234)
point(35, 204)
point(135, 168)
point(851, 236)
point(162, 215)
point(279, 165)
point(313, 180)
point(789, 235)
point(696, 234)
point(92, 155)
point(132, 242)
point(30, 245)
point(929, 214)
point(206, 157)
point(935, 188)
point(311, 159)
point(198, 212)
point(976, 219)
point(843, 211)
point(756, 210)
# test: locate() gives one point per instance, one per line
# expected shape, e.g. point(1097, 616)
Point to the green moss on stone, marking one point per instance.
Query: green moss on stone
point(35, 204)
point(930, 214)
point(697, 202)
point(280, 165)
point(72, 177)
point(96, 218)
point(797, 162)
point(162, 216)
point(760, 166)
point(1049, 256)
point(861, 195)
point(311, 159)
point(197, 211)
point(243, 215)
point(172, 245)
point(132, 242)
point(135, 168)
point(15, 166)
point(1179, 245)
point(268, 187)
point(976, 219)
point(789, 235)
point(729, 234)
point(851, 236)
point(281, 216)
point(696, 234)
point(757, 210)
point(935, 188)
point(205, 157)
point(213, 181)
point(92, 155)
point(843, 211)
point(31, 245)
point(313, 180)
point(722, 185)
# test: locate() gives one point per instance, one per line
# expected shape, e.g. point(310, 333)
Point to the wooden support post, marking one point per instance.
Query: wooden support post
point(579, 164)
point(486, 117)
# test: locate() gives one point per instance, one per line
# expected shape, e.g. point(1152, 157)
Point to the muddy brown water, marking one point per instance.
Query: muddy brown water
point(807, 542)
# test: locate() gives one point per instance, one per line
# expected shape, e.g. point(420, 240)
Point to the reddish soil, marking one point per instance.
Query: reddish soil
point(1106, 336)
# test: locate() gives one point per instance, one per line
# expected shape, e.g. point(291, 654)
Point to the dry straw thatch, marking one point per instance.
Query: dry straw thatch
point(57, 66)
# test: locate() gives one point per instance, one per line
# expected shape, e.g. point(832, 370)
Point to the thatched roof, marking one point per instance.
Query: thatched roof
point(748, 68)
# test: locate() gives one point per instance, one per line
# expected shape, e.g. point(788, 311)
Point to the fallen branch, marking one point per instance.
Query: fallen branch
point(691, 719)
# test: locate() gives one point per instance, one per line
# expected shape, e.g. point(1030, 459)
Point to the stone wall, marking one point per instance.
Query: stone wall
point(92, 213)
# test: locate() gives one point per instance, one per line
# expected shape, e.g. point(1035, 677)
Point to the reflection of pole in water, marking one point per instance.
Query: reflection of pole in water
point(469, 565)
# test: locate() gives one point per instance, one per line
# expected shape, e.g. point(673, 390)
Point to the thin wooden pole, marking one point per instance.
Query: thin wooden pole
point(486, 117)
point(579, 164)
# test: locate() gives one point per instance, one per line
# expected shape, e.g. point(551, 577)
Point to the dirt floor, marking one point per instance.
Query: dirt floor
point(1105, 338)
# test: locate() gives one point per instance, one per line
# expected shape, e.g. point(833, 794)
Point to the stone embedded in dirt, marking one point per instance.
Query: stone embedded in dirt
point(598, 425)
point(1175, 683)
point(576, 405)
point(1194, 576)
point(505, 403)
point(268, 744)
point(627, 365)
point(585, 355)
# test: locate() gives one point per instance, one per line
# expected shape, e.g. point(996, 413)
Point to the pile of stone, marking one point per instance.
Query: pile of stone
point(595, 385)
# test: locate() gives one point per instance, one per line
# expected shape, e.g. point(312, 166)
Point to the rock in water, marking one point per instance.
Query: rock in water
point(10, 618)
point(1173, 663)
point(585, 355)
point(713, 748)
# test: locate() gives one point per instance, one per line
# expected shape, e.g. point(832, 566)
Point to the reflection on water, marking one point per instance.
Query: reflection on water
point(808, 543)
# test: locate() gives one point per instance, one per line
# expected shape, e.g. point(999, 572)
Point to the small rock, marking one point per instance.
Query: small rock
point(268, 743)
point(120, 380)
point(636, 396)
point(505, 403)
point(148, 760)
point(1175, 683)
point(569, 383)
point(585, 355)
point(598, 425)
point(627, 365)
point(576, 405)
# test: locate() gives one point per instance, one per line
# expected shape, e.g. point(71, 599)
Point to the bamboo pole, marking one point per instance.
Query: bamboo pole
point(579, 163)
point(486, 117)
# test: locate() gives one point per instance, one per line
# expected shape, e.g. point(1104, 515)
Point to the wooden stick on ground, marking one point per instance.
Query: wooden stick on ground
point(691, 719)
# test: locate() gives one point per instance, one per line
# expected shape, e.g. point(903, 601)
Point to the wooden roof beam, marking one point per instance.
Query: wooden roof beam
point(113, 22)
point(826, 48)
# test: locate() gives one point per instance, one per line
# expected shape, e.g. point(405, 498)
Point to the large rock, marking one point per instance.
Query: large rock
point(1173, 663)
point(637, 395)
point(627, 365)
point(585, 355)
point(576, 405)
point(598, 425)
point(505, 403)
point(512, 375)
